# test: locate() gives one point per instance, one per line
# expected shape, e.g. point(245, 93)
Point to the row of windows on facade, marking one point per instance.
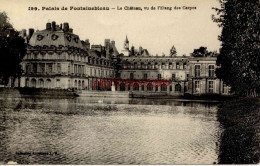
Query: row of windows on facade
point(91, 60)
point(151, 87)
point(102, 73)
point(211, 71)
point(211, 87)
point(78, 69)
point(159, 76)
point(48, 68)
point(48, 83)
point(155, 66)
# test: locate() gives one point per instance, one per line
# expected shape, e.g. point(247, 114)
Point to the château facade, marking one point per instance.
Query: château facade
point(57, 58)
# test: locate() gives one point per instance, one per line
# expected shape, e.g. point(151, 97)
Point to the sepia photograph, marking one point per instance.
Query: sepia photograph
point(129, 82)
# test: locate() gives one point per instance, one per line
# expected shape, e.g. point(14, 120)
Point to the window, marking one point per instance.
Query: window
point(150, 87)
point(135, 65)
point(41, 83)
point(211, 71)
point(42, 67)
point(178, 88)
point(34, 68)
point(58, 83)
point(197, 86)
point(28, 68)
point(49, 68)
point(177, 65)
point(136, 87)
point(170, 87)
point(163, 87)
point(27, 82)
point(142, 65)
point(159, 76)
point(197, 70)
point(173, 76)
point(145, 76)
point(163, 65)
point(75, 69)
point(58, 68)
point(211, 87)
point(131, 75)
point(48, 83)
point(184, 65)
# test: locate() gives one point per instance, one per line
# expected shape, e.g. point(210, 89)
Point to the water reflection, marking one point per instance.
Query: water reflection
point(121, 131)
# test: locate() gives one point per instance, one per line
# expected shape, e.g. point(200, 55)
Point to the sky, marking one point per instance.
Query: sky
point(155, 30)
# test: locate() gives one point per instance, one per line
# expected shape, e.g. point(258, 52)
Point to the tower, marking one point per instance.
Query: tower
point(126, 46)
point(126, 50)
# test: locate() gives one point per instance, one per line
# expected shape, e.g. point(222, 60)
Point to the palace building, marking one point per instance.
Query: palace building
point(57, 58)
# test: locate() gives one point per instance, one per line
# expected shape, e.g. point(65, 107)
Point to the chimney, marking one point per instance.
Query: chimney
point(87, 43)
point(48, 26)
point(31, 31)
point(24, 32)
point(140, 50)
point(71, 30)
point(57, 28)
point(113, 43)
point(53, 26)
point(66, 27)
point(60, 26)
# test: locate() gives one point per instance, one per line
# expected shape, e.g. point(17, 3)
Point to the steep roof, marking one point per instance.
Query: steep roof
point(56, 38)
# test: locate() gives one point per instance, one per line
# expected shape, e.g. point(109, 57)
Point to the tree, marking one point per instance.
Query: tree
point(202, 52)
point(12, 50)
point(239, 58)
point(5, 25)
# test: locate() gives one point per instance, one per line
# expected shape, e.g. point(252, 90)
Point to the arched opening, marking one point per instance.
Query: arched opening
point(177, 88)
point(27, 82)
point(122, 86)
point(41, 83)
point(185, 89)
point(163, 87)
point(75, 84)
point(83, 85)
point(136, 87)
point(33, 83)
point(48, 83)
point(170, 88)
point(150, 87)
point(156, 65)
point(79, 84)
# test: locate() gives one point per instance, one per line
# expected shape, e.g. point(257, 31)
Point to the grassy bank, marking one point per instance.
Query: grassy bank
point(240, 140)
point(18, 92)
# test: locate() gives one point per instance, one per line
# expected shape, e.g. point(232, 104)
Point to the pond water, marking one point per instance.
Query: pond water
point(108, 131)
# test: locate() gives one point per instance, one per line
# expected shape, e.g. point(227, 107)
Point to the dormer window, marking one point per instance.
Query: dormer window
point(76, 40)
point(54, 37)
point(68, 37)
point(40, 37)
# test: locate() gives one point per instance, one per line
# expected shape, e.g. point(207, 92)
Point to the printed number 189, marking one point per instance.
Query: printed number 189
point(32, 8)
